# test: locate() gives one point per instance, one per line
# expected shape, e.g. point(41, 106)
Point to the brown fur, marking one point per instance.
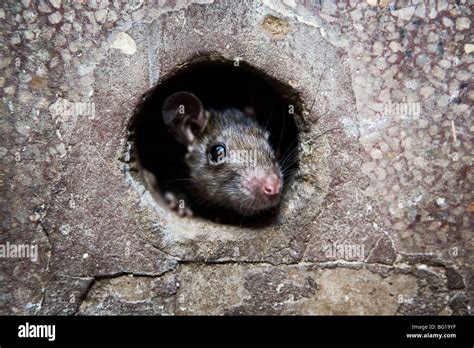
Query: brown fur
point(225, 184)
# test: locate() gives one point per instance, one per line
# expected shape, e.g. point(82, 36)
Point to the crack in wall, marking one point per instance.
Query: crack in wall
point(413, 269)
point(96, 279)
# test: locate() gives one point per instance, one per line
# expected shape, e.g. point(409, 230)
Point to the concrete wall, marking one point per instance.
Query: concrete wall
point(377, 221)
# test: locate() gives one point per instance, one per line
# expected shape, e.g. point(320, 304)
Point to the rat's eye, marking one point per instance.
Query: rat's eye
point(217, 153)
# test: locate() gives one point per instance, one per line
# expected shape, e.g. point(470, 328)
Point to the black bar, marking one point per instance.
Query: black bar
point(291, 331)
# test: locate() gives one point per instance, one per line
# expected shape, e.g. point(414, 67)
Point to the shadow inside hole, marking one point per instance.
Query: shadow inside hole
point(219, 85)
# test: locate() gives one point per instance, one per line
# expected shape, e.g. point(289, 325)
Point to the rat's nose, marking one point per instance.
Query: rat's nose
point(271, 185)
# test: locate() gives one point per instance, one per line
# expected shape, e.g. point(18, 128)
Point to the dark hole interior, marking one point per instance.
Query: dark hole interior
point(219, 85)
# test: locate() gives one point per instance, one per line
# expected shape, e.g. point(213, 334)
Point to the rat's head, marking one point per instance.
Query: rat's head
point(230, 159)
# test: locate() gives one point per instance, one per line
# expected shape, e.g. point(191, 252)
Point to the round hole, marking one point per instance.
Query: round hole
point(220, 85)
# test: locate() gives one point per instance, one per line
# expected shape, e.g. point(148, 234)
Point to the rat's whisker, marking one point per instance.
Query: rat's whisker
point(290, 156)
point(281, 136)
point(289, 162)
point(174, 180)
point(290, 175)
point(269, 117)
point(326, 132)
point(290, 147)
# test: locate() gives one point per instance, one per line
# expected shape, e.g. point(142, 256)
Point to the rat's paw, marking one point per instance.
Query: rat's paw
point(177, 205)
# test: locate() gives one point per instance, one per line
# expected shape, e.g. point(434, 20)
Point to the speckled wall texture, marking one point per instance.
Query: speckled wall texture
point(379, 219)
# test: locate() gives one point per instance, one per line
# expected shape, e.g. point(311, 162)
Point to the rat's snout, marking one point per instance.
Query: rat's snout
point(263, 189)
point(265, 185)
point(271, 185)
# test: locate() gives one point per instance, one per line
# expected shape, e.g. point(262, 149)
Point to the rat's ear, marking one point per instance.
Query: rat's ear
point(184, 116)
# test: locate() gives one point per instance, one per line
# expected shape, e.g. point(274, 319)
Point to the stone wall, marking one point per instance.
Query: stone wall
point(377, 221)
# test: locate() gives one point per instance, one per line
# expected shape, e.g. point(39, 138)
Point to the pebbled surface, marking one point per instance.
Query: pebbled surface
point(378, 221)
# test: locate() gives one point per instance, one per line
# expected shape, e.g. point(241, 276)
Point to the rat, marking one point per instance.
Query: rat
point(230, 160)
